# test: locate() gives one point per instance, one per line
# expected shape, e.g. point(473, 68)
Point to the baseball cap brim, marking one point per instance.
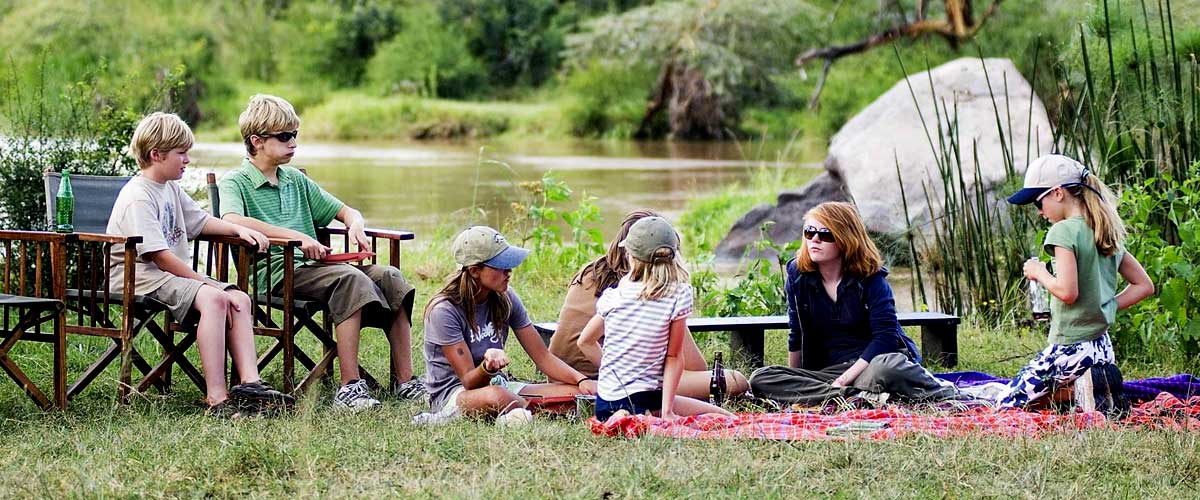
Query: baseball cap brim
point(509, 258)
point(1026, 195)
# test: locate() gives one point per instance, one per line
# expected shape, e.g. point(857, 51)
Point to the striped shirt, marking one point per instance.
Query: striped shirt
point(296, 203)
point(635, 337)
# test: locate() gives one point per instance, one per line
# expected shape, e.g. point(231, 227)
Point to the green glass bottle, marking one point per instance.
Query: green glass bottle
point(64, 207)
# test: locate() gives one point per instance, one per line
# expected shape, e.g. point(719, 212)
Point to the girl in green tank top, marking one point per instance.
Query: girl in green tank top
point(1086, 242)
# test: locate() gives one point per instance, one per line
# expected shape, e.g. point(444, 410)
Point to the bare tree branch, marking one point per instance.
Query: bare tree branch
point(959, 25)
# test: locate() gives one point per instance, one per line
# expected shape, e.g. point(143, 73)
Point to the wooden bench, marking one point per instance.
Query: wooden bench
point(939, 334)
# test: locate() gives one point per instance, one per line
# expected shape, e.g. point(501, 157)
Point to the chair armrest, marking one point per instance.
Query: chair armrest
point(31, 235)
point(387, 234)
point(235, 241)
point(107, 238)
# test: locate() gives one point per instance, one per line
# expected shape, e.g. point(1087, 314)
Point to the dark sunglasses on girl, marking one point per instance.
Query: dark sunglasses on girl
point(825, 235)
point(282, 136)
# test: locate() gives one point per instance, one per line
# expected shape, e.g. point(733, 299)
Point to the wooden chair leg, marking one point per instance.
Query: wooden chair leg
point(60, 361)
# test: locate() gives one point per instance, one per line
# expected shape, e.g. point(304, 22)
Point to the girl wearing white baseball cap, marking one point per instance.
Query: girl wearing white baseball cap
point(1086, 241)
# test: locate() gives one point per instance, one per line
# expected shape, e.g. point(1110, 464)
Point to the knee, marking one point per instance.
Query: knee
point(212, 303)
point(500, 399)
point(736, 383)
point(888, 365)
point(239, 299)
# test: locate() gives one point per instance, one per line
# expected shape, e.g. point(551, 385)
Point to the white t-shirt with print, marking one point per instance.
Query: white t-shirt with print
point(165, 217)
point(635, 337)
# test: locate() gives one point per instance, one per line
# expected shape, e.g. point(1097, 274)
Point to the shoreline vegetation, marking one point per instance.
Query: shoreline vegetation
point(1129, 102)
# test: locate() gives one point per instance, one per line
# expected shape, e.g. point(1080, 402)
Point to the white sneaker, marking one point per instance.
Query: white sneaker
point(354, 396)
point(514, 418)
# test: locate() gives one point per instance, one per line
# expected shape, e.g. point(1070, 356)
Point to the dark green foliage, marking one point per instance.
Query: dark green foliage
point(426, 58)
point(518, 40)
point(334, 40)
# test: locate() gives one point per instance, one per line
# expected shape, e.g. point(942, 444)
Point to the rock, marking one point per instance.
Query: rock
point(863, 155)
point(890, 131)
point(787, 214)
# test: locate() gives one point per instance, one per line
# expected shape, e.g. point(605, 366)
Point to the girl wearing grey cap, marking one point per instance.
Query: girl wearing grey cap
point(466, 329)
point(580, 305)
point(644, 324)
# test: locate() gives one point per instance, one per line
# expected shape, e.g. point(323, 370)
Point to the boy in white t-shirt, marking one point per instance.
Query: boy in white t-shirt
point(644, 324)
point(153, 206)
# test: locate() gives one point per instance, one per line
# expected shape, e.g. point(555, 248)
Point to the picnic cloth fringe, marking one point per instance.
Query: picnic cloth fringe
point(1163, 412)
point(1182, 386)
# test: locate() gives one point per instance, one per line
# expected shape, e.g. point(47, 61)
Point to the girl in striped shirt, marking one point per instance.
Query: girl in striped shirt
point(643, 321)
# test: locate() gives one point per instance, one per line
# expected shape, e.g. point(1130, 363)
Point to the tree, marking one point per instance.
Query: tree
point(959, 25)
point(713, 57)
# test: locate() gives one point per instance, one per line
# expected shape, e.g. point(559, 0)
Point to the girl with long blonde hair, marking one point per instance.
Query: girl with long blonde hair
point(643, 321)
point(1086, 242)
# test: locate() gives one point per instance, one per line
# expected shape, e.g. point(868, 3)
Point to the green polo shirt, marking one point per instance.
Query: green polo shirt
point(296, 203)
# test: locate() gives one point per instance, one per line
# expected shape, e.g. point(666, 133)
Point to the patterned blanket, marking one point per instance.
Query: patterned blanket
point(1165, 411)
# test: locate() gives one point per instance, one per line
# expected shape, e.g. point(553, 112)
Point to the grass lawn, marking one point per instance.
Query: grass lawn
point(165, 446)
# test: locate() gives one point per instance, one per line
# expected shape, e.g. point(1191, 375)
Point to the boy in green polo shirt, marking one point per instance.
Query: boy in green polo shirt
point(282, 202)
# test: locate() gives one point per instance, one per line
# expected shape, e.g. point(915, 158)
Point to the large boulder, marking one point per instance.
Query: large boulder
point(891, 133)
point(786, 216)
point(900, 130)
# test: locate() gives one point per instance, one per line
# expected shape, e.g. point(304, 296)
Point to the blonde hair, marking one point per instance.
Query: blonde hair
point(661, 275)
point(1100, 212)
point(159, 132)
point(608, 269)
point(266, 114)
point(860, 256)
point(460, 289)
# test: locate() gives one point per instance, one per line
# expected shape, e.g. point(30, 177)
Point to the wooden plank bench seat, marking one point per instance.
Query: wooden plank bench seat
point(939, 334)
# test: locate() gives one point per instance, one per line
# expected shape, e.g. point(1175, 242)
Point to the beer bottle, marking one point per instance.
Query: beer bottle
point(64, 207)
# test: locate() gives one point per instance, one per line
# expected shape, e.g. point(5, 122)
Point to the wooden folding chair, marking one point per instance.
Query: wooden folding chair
point(300, 313)
point(31, 295)
point(88, 291)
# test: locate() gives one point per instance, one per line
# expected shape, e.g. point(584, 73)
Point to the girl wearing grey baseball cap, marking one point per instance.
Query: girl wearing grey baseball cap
point(644, 324)
point(466, 329)
point(1086, 241)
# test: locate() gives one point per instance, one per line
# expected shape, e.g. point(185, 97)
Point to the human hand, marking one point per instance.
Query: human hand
point(1033, 268)
point(668, 414)
point(252, 237)
point(588, 386)
point(359, 235)
point(837, 382)
point(494, 360)
point(313, 249)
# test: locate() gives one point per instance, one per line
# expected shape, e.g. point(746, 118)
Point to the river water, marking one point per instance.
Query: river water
point(421, 186)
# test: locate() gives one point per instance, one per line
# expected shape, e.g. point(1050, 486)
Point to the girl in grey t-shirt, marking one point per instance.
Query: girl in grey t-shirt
point(466, 329)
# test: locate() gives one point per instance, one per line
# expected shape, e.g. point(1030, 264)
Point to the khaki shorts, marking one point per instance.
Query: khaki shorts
point(381, 291)
point(179, 294)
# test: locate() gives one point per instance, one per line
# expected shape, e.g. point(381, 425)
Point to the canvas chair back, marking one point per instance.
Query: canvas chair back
point(95, 196)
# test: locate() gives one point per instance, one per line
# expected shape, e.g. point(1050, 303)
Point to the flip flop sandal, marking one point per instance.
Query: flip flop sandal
point(229, 410)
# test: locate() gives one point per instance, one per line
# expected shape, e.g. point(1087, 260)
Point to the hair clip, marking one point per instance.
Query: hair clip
point(1085, 173)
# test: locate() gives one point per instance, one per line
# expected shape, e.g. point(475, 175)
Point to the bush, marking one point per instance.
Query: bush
point(426, 59)
point(518, 40)
point(334, 40)
point(69, 133)
point(1166, 323)
point(607, 99)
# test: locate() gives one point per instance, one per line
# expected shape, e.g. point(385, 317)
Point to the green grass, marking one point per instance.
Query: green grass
point(164, 446)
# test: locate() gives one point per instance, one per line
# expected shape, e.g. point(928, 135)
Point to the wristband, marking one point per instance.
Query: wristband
point(580, 381)
point(482, 366)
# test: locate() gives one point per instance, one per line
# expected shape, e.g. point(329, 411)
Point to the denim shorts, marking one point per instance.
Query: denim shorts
point(636, 403)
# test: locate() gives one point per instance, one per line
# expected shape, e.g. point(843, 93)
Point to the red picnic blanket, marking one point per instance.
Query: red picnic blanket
point(1164, 412)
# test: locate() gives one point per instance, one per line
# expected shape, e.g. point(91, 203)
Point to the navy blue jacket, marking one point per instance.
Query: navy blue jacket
point(861, 324)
